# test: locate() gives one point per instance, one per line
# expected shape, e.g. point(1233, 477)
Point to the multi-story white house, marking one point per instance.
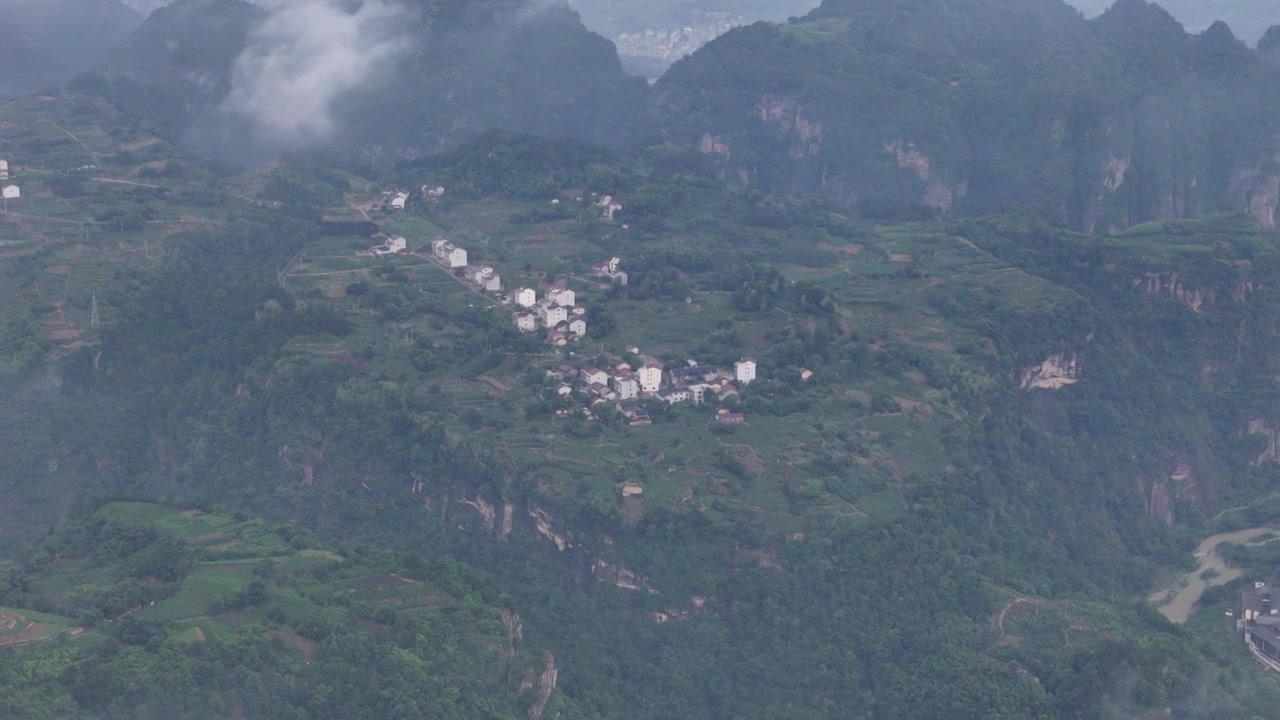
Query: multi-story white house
point(551, 314)
point(526, 321)
point(450, 254)
point(493, 283)
point(651, 377)
point(526, 297)
point(11, 192)
point(626, 386)
point(561, 295)
point(578, 326)
point(594, 376)
point(457, 258)
point(674, 395)
point(4, 169)
point(391, 246)
point(744, 371)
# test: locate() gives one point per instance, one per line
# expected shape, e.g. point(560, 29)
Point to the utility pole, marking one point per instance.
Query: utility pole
point(93, 311)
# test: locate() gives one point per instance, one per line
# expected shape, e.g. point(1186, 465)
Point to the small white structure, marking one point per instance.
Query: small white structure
point(526, 321)
point(561, 295)
point(611, 269)
point(744, 371)
point(398, 202)
point(493, 283)
point(440, 248)
point(651, 377)
point(578, 326)
point(433, 191)
point(11, 192)
point(478, 274)
point(391, 246)
point(4, 169)
point(525, 297)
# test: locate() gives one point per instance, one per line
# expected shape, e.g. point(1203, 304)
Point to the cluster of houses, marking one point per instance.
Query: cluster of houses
point(452, 257)
point(557, 312)
point(398, 198)
point(627, 386)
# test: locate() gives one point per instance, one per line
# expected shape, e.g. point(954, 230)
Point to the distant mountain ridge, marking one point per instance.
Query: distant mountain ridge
point(47, 41)
point(975, 106)
point(465, 68)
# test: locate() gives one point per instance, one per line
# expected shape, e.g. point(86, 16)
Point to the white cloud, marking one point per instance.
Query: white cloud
point(304, 57)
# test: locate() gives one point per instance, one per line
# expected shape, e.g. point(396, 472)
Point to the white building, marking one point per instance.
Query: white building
point(397, 202)
point(11, 192)
point(578, 326)
point(698, 392)
point(594, 376)
point(493, 283)
point(561, 295)
point(435, 192)
point(674, 395)
point(525, 297)
point(651, 377)
point(457, 258)
point(551, 314)
point(744, 371)
point(392, 246)
point(479, 274)
point(526, 321)
point(4, 169)
point(626, 386)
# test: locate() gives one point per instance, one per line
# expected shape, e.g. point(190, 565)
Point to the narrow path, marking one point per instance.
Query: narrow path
point(72, 135)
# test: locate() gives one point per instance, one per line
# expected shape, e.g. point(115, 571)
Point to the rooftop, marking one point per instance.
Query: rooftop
point(1257, 598)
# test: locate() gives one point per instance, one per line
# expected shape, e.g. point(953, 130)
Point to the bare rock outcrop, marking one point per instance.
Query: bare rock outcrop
point(1053, 373)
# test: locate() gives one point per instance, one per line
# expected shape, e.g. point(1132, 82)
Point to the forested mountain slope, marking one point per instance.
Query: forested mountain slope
point(144, 611)
point(954, 423)
point(395, 79)
point(46, 42)
point(976, 106)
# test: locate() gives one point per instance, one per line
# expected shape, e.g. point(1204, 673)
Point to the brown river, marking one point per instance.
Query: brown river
point(1178, 601)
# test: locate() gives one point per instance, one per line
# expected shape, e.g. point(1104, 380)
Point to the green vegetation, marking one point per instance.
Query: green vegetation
point(849, 550)
point(296, 617)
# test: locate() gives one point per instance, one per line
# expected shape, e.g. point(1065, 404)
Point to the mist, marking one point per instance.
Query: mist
point(304, 58)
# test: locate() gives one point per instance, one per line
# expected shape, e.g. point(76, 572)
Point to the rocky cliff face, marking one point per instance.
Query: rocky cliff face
point(1126, 119)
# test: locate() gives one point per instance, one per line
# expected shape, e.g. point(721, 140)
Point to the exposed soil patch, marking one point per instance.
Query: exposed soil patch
point(387, 582)
point(58, 269)
point(351, 361)
point(205, 538)
point(899, 258)
point(199, 634)
point(139, 144)
point(63, 334)
point(305, 646)
point(28, 634)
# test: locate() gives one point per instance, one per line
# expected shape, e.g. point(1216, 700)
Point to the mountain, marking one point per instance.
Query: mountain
point(970, 448)
point(1248, 18)
point(48, 41)
point(388, 80)
point(975, 106)
point(651, 36)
